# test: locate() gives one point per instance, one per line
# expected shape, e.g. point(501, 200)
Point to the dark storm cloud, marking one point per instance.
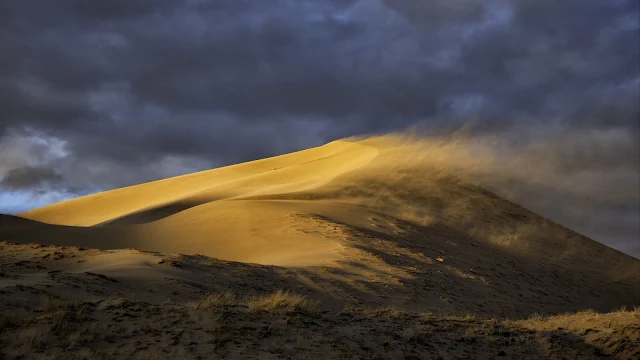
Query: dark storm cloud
point(48, 14)
point(131, 91)
point(440, 12)
point(31, 177)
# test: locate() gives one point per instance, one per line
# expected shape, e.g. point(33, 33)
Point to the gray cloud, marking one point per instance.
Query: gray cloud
point(31, 177)
point(131, 91)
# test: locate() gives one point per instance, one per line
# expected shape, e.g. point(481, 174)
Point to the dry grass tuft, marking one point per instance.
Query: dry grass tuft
point(52, 304)
point(65, 314)
point(279, 301)
point(11, 321)
point(33, 337)
point(391, 311)
point(537, 317)
point(115, 302)
point(83, 336)
point(213, 300)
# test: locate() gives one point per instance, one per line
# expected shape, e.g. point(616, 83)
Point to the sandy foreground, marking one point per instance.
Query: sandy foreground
point(361, 248)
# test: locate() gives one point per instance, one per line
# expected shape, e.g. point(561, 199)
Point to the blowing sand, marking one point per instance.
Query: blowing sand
point(347, 228)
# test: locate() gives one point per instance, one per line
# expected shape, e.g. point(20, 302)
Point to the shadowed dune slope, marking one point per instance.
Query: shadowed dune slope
point(384, 208)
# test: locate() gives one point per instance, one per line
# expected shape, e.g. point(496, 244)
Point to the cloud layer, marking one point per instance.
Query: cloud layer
point(100, 95)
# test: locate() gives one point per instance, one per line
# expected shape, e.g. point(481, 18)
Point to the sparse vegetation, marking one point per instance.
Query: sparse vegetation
point(279, 301)
point(52, 304)
point(115, 302)
point(83, 336)
point(226, 325)
point(10, 321)
point(215, 300)
point(31, 337)
point(66, 315)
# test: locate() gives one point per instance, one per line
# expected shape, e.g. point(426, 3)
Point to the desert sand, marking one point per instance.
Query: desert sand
point(361, 248)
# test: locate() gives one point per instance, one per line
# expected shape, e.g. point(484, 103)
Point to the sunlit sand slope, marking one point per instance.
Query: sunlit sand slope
point(298, 171)
point(202, 212)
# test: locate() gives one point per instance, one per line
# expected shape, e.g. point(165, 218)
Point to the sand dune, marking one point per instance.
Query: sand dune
point(373, 222)
point(287, 173)
point(264, 207)
point(286, 210)
point(208, 213)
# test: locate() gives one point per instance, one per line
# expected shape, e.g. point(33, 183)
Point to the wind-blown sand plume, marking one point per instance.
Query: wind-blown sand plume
point(390, 221)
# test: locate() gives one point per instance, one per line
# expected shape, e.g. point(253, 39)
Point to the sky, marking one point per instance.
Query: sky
point(96, 95)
